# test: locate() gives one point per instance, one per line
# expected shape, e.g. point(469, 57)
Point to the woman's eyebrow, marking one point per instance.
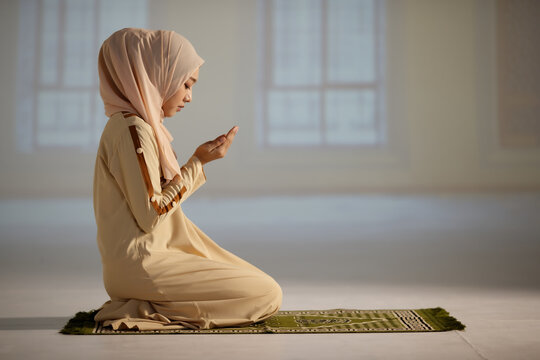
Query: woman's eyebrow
point(194, 80)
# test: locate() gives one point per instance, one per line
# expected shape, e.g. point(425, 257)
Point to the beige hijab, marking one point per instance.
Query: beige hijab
point(139, 70)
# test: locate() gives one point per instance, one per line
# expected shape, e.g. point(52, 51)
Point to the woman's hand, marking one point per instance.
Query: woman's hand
point(217, 148)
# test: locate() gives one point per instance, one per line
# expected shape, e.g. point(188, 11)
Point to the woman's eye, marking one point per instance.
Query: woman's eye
point(186, 86)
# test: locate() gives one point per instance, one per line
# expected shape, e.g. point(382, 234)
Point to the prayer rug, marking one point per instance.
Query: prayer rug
point(300, 321)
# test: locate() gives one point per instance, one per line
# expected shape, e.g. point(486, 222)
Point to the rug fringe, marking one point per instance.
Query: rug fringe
point(442, 318)
point(81, 324)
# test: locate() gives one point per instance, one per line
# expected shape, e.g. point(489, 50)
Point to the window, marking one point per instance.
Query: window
point(322, 73)
point(59, 104)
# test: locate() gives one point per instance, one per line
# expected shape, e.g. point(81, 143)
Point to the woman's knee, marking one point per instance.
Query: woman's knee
point(273, 290)
point(271, 301)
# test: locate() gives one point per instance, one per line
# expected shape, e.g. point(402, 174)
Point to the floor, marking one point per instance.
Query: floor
point(476, 255)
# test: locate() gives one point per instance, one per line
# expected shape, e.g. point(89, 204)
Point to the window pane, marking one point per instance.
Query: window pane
point(79, 39)
point(118, 14)
point(49, 42)
point(350, 117)
point(63, 118)
point(297, 42)
point(294, 117)
point(351, 41)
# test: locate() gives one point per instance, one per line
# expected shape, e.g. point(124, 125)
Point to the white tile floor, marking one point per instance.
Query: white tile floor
point(475, 255)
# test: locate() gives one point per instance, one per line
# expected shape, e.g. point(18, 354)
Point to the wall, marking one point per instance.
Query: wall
point(441, 101)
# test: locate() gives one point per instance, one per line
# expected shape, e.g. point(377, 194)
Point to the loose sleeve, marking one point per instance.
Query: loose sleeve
point(135, 166)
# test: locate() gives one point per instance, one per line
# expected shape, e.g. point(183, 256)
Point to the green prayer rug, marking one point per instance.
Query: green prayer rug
point(300, 321)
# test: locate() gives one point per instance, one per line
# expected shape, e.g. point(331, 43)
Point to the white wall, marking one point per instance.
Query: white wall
point(440, 99)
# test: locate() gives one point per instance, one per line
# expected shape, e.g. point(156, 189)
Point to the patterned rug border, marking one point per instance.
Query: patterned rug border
point(337, 320)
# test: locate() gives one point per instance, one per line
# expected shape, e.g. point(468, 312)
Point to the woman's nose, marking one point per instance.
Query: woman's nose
point(188, 97)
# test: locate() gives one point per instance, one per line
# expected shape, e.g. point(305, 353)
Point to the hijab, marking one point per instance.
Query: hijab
point(139, 70)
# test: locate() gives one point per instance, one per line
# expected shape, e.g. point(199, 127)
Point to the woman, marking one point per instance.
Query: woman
point(159, 269)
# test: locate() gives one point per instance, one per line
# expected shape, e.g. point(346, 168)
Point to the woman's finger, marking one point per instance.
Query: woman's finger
point(210, 142)
point(231, 134)
point(223, 140)
point(233, 131)
point(229, 137)
point(217, 142)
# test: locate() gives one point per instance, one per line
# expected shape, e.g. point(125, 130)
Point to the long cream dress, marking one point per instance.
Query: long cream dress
point(159, 269)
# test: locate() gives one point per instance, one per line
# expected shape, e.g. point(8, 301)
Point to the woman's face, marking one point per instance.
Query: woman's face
point(183, 95)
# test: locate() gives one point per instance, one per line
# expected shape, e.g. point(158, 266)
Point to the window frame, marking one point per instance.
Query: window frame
point(265, 84)
point(29, 84)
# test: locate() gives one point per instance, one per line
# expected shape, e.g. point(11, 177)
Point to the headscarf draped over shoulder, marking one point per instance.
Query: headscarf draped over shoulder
point(139, 70)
